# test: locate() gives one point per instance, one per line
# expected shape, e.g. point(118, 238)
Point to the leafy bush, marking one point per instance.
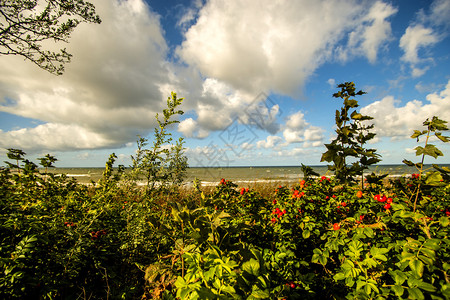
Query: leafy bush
point(323, 238)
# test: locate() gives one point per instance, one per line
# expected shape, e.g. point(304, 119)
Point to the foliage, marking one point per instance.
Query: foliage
point(165, 162)
point(352, 135)
point(435, 126)
point(319, 239)
point(308, 173)
point(27, 25)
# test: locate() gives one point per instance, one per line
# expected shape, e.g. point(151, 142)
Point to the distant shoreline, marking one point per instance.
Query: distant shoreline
point(242, 175)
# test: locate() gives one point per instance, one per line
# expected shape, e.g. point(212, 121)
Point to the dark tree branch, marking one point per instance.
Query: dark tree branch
point(23, 29)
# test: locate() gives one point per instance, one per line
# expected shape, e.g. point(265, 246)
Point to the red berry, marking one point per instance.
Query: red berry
point(387, 206)
point(336, 226)
point(292, 285)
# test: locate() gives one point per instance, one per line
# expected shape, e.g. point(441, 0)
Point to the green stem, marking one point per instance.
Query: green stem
point(421, 170)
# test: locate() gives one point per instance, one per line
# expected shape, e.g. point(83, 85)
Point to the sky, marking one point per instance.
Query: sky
point(257, 78)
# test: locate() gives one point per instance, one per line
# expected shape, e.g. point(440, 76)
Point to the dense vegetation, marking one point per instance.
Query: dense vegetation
point(323, 238)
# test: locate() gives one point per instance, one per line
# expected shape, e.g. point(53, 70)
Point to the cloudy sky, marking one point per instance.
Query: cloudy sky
point(257, 77)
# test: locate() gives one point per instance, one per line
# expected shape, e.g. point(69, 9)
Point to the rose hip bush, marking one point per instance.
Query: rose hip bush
point(325, 238)
point(313, 246)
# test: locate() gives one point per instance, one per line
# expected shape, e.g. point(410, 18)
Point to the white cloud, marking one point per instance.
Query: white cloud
point(110, 90)
point(293, 136)
point(247, 146)
point(332, 82)
point(429, 29)
point(416, 37)
point(187, 127)
point(440, 10)
point(190, 128)
point(314, 133)
point(189, 14)
point(296, 121)
point(297, 130)
point(218, 105)
point(53, 137)
point(120, 75)
point(274, 46)
point(399, 122)
point(369, 35)
point(270, 142)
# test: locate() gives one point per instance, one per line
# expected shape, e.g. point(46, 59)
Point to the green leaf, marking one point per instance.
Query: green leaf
point(441, 137)
point(351, 103)
point(416, 266)
point(427, 287)
point(398, 290)
point(429, 150)
point(398, 276)
point(444, 221)
point(306, 234)
point(408, 163)
point(360, 284)
point(328, 156)
point(228, 289)
point(415, 293)
point(436, 124)
point(433, 178)
point(339, 276)
point(356, 116)
point(419, 150)
point(432, 244)
point(416, 134)
point(260, 294)
point(252, 267)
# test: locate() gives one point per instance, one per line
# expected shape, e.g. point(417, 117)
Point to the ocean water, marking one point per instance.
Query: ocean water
point(241, 175)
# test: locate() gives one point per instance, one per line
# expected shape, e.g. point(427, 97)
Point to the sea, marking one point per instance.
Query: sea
point(244, 175)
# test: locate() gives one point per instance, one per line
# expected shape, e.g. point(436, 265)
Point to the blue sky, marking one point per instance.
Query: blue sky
point(257, 77)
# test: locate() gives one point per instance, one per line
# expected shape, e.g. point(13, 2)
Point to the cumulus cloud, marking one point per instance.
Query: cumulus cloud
point(371, 33)
point(37, 138)
point(274, 46)
point(297, 130)
point(109, 93)
point(187, 127)
point(270, 142)
point(190, 128)
point(399, 122)
point(422, 34)
point(415, 38)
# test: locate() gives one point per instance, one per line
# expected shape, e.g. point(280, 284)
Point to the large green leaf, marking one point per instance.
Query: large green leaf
point(252, 267)
point(416, 266)
point(429, 150)
point(415, 293)
point(398, 290)
point(441, 137)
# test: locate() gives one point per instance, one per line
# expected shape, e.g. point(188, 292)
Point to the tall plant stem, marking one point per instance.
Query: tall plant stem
point(421, 170)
